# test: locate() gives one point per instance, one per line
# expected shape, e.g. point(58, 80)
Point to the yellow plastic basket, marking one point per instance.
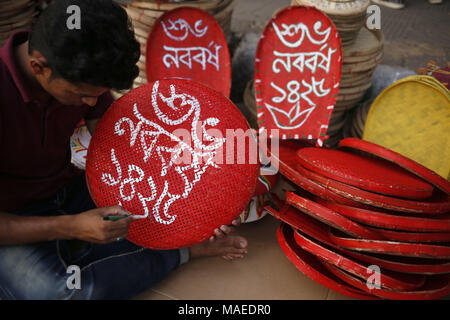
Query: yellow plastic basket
point(412, 117)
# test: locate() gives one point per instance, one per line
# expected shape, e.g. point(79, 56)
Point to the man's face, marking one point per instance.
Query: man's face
point(73, 94)
point(62, 90)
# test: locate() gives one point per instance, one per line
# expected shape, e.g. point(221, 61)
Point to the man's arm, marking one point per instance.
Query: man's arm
point(88, 226)
point(16, 229)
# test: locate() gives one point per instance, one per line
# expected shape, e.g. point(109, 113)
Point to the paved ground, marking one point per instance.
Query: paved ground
point(413, 35)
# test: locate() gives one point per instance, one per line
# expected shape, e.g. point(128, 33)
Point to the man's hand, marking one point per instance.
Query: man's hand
point(90, 226)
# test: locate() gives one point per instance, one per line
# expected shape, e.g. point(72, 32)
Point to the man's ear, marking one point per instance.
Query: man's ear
point(39, 65)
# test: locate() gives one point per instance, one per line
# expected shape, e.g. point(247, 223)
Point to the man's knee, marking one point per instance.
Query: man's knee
point(27, 272)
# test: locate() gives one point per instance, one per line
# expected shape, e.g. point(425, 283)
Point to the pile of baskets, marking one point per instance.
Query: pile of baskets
point(349, 16)
point(144, 13)
point(359, 62)
point(372, 225)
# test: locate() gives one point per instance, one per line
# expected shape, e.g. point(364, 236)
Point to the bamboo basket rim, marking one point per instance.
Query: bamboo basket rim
point(357, 75)
point(14, 27)
point(13, 4)
point(324, 5)
point(4, 14)
point(356, 89)
point(344, 97)
point(200, 4)
point(139, 25)
point(351, 51)
point(355, 83)
point(18, 18)
point(358, 59)
point(363, 66)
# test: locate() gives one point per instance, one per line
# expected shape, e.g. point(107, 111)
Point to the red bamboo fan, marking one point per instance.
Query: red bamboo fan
point(320, 231)
point(435, 287)
point(329, 217)
point(388, 279)
point(395, 248)
point(406, 163)
point(371, 174)
point(188, 43)
point(311, 266)
point(161, 153)
point(392, 219)
point(437, 204)
point(297, 73)
point(287, 162)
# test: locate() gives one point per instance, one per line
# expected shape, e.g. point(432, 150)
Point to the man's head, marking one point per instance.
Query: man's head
point(76, 65)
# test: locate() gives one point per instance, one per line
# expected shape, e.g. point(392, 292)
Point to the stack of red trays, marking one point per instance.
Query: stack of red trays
point(365, 221)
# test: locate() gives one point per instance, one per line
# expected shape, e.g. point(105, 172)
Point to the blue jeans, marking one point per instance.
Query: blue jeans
point(118, 270)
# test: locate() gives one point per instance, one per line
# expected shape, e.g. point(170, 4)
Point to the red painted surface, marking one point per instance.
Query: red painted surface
point(330, 217)
point(406, 163)
point(392, 220)
point(320, 231)
point(437, 204)
point(287, 166)
point(188, 43)
point(311, 266)
point(435, 287)
point(297, 73)
point(368, 173)
point(151, 154)
point(392, 247)
point(388, 279)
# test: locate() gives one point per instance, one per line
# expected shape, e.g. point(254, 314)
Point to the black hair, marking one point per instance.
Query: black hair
point(103, 52)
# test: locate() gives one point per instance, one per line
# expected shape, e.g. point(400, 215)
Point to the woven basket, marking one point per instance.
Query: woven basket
point(348, 16)
point(359, 62)
point(409, 117)
point(14, 16)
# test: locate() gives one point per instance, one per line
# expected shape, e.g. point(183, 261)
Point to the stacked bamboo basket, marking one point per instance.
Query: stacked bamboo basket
point(349, 16)
point(144, 13)
point(362, 52)
point(15, 15)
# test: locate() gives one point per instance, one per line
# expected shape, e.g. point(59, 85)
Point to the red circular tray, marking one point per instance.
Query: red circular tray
point(287, 165)
point(392, 247)
point(297, 73)
point(188, 43)
point(388, 279)
point(372, 174)
point(438, 204)
point(435, 287)
point(403, 264)
point(150, 155)
point(329, 217)
point(320, 232)
point(309, 265)
point(413, 236)
point(440, 223)
point(406, 163)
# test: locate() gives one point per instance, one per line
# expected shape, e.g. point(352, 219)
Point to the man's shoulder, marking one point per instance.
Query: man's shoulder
point(3, 66)
point(5, 74)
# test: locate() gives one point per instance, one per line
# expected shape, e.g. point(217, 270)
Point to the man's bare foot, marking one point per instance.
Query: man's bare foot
point(228, 247)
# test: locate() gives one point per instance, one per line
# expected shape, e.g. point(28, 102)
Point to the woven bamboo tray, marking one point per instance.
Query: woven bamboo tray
point(410, 117)
point(144, 14)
